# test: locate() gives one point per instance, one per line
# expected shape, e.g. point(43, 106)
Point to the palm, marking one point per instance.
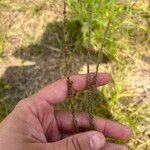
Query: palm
point(42, 124)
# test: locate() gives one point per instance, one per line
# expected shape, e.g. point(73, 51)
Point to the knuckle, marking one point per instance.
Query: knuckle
point(21, 103)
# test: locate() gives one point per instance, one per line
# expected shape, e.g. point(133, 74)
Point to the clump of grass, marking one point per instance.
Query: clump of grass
point(126, 24)
point(103, 11)
point(123, 46)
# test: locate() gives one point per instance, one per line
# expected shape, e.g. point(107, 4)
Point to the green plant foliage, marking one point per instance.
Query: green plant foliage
point(6, 105)
point(103, 11)
point(126, 22)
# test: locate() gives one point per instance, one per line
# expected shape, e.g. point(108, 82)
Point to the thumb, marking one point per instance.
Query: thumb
point(91, 140)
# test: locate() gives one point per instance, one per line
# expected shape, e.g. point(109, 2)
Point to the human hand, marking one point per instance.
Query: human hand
point(35, 125)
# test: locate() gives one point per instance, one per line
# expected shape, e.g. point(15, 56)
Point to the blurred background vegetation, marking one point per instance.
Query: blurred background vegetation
point(31, 56)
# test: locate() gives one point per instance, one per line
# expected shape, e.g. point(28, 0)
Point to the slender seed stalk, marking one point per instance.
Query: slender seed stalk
point(101, 48)
point(90, 94)
point(71, 94)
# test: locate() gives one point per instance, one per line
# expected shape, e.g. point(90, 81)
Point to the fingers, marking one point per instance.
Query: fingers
point(91, 140)
point(57, 92)
point(107, 146)
point(107, 127)
point(112, 146)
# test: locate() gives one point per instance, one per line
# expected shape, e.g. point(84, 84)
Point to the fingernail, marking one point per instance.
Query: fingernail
point(96, 141)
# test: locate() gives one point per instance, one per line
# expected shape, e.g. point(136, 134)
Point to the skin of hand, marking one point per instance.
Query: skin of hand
point(35, 125)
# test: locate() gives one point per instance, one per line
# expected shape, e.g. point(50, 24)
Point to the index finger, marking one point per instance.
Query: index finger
point(57, 92)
